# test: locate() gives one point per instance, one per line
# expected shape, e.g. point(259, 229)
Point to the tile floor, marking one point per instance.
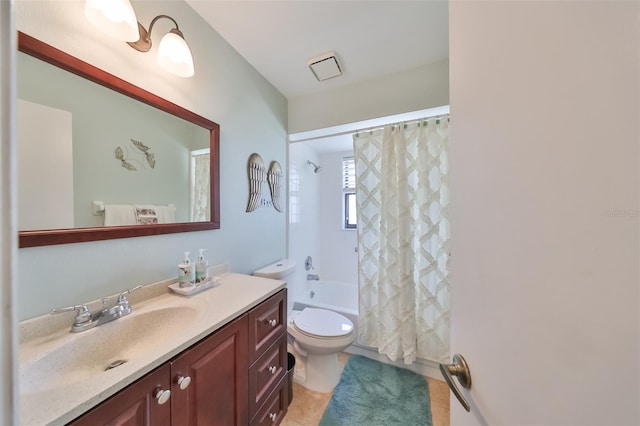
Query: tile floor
point(307, 406)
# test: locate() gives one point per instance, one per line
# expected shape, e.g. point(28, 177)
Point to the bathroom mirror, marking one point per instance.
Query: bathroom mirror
point(136, 156)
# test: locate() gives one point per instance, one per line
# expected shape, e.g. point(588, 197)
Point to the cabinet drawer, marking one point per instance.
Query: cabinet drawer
point(267, 322)
point(275, 407)
point(266, 373)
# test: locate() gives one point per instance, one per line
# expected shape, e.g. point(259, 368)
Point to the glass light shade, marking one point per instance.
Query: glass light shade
point(116, 18)
point(174, 55)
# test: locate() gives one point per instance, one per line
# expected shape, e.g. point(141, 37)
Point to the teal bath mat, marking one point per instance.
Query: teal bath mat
point(376, 394)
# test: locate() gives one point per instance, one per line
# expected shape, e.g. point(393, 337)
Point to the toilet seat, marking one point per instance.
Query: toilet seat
point(322, 323)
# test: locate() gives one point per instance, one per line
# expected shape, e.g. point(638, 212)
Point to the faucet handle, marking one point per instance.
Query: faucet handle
point(83, 315)
point(122, 298)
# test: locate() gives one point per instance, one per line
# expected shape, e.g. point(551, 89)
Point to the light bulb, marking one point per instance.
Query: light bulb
point(115, 18)
point(174, 55)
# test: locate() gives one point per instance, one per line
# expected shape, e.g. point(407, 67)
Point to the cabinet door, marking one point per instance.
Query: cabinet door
point(136, 405)
point(218, 371)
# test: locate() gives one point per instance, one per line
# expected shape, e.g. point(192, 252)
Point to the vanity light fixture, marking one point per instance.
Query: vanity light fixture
point(114, 17)
point(174, 54)
point(118, 19)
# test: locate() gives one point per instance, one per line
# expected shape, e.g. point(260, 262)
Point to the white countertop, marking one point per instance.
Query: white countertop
point(213, 307)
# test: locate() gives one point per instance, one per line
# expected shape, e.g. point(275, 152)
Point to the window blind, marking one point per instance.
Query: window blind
point(348, 174)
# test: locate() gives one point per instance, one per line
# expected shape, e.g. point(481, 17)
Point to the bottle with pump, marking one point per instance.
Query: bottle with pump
point(186, 272)
point(202, 268)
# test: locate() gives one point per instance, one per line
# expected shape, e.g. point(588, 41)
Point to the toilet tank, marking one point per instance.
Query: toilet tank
point(277, 270)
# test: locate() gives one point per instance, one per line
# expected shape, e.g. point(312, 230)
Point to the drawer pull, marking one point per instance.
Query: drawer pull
point(273, 369)
point(162, 396)
point(273, 416)
point(273, 322)
point(183, 382)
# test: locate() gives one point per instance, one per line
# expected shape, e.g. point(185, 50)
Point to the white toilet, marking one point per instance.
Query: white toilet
point(316, 336)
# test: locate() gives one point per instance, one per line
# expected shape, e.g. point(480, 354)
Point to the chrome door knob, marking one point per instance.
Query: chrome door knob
point(183, 382)
point(273, 322)
point(162, 396)
point(273, 369)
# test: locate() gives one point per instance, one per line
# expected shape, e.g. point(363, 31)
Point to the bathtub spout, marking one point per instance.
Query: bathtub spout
point(313, 277)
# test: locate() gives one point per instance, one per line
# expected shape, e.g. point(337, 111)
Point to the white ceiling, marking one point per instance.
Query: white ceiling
point(371, 38)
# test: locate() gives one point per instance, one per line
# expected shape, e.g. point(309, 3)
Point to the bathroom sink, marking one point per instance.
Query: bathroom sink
point(68, 359)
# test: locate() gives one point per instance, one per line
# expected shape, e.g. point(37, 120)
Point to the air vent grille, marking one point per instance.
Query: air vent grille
point(325, 66)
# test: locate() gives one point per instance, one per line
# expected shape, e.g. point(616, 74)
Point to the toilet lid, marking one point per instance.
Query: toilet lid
point(322, 322)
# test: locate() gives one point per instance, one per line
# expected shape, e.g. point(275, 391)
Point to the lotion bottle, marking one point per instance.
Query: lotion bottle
point(202, 268)
point(186, 272)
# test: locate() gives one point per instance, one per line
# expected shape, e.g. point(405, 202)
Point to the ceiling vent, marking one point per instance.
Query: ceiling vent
point(325, 66)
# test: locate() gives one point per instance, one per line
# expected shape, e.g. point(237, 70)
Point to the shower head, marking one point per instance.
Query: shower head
point(316, 168)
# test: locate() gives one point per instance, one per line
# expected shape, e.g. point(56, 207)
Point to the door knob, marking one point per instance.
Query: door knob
point(162, 396)
point(460, 369)
point(183, 382)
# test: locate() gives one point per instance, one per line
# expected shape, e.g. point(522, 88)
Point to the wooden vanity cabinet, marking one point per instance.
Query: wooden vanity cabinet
point(268, 387)
point(237, 376)
point(217, 369)
point(136, 405)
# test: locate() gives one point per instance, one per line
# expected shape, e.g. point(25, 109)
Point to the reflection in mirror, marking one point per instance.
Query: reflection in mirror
point(109, 154)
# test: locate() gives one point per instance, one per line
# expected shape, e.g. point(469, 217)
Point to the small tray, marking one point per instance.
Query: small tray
point(189, 291)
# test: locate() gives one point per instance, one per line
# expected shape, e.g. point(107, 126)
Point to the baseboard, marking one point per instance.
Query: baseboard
point(423, 367)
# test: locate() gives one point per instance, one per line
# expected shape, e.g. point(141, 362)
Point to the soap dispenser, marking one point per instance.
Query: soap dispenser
point(202, 268)
point(186, 272)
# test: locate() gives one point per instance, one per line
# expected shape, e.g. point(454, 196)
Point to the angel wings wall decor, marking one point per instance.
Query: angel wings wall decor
point(257, 176)
point(275, 181)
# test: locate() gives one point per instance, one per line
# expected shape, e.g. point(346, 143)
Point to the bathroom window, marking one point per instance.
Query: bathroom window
point(349, 190)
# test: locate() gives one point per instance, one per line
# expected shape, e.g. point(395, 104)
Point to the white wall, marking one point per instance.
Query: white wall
point(253, 118)
point(545, 107)
point(337, 245)
point(45, 171)
point(304, 216)
point(411, 90)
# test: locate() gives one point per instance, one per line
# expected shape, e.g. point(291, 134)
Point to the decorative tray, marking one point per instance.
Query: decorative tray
point(195, 289)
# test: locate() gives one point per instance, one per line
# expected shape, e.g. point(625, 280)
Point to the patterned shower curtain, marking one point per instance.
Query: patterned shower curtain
point(200, 191)
point(402, 192)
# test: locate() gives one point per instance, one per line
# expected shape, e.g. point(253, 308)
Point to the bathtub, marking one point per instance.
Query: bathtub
point(333, 295)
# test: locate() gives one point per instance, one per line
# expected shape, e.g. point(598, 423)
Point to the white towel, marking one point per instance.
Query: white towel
point(166, 214)
point(163, 214)
point(119, 215)
point(146, 215)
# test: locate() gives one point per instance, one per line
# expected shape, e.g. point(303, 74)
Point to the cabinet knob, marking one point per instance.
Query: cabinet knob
point(273, 416)
point(273, 369)
point(162, 396)
point(273, 322)
point(183, 382)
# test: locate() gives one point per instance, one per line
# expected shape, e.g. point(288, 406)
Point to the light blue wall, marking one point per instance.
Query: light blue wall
point(253, 118)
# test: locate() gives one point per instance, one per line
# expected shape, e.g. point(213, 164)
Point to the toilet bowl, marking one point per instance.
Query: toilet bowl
point(318, 335)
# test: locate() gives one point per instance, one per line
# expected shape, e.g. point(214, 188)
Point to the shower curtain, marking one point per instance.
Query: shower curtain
point(200, 191)
point(402, 193)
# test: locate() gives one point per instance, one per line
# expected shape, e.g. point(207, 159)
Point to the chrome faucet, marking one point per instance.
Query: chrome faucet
point(313, 277)
point(86, 320)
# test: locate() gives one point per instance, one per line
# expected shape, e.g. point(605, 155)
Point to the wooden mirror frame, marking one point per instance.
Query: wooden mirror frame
point(38, 49)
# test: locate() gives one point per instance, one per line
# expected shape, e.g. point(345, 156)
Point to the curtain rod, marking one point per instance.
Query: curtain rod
point(371, 129)
point(405, 123)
